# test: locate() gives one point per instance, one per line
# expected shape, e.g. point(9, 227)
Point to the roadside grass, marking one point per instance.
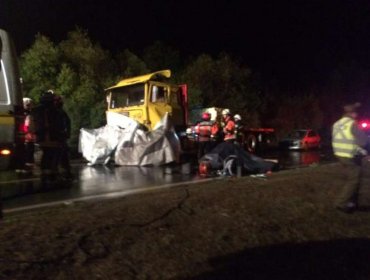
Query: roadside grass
point(282, 227)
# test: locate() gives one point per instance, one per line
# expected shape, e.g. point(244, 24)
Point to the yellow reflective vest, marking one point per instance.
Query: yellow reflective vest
point(343, 140)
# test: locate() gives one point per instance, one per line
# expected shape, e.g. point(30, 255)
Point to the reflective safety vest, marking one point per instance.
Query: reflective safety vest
point(343, 140)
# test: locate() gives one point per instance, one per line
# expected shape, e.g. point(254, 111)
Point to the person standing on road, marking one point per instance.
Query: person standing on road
point(229, 126)
point(47, 125)
point(206, 130)
point(238, 128)
point(348, 142)
point(65, 133)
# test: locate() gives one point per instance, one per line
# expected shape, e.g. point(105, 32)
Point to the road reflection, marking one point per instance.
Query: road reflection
point(90, 181)
point(295, 159)
point(108, 179)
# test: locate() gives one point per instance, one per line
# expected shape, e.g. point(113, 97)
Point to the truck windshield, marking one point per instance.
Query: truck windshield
point(127, 96)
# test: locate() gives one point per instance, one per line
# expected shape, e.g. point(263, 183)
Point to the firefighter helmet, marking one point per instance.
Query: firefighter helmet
point(27, 102)
point(226, 112)
point(206, 116)
point(237, 117)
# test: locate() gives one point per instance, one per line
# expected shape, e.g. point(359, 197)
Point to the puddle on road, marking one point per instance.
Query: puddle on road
point(295, 159)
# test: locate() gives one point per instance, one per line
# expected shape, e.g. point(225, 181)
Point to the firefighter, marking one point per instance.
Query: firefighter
point(238, 128)
point(229, 126)
point(29, 139)
point(348, 142)
point(65, 133)
point(206, 131)
point(48, 122)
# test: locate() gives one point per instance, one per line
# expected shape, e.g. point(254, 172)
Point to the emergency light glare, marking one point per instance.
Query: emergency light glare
point(5, 152)
point(364, 125)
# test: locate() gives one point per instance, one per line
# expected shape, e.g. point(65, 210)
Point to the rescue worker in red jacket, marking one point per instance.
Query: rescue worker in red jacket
point(206, 131)
point(229, 126)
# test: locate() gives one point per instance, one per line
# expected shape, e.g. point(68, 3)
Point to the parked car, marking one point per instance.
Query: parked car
point(301, 139)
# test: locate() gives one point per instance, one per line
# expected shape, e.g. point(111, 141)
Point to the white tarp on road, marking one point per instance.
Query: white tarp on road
point(122, 140)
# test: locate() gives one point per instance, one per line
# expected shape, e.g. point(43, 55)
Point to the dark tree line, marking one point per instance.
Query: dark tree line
point(80, 69)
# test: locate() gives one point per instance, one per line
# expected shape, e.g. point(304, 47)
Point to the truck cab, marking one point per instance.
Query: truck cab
point(147, 99)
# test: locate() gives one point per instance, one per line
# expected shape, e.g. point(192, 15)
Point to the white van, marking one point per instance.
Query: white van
point(11, 106)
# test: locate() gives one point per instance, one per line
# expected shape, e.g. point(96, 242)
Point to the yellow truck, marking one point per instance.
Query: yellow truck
point(148, 98)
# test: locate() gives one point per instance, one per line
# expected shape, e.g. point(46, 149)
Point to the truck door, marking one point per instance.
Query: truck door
point(179, 111)
point(184, 102)
point(158, 102)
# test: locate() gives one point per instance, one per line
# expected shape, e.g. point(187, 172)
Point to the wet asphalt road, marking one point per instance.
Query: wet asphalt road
point(22, 192)
point(91, 182)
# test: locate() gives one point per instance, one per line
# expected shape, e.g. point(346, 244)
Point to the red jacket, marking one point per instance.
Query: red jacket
point(206, 130)
point(229, 129)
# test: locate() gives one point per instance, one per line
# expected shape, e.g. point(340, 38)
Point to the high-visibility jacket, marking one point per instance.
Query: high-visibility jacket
point(229, 129)
point(206, 130)
point(343, 140)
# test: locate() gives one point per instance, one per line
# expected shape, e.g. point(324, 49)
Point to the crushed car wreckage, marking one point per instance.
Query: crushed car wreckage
point(124, 141)
point(230, 159)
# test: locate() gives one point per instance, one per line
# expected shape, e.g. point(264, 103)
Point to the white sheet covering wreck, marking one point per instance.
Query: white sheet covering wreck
point(123, 141)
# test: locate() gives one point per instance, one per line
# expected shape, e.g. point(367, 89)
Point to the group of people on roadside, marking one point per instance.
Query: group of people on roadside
point(47, 125)
point(350, 146)
point(209, 132)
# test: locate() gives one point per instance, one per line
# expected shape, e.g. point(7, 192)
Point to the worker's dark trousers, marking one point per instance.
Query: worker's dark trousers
point(204, 147)
point(64, 159)
point(29, 152)
point(18, 158)
point(50, 160)
point(351, 169)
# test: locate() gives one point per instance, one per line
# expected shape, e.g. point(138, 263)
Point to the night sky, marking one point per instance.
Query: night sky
point(299, 40)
